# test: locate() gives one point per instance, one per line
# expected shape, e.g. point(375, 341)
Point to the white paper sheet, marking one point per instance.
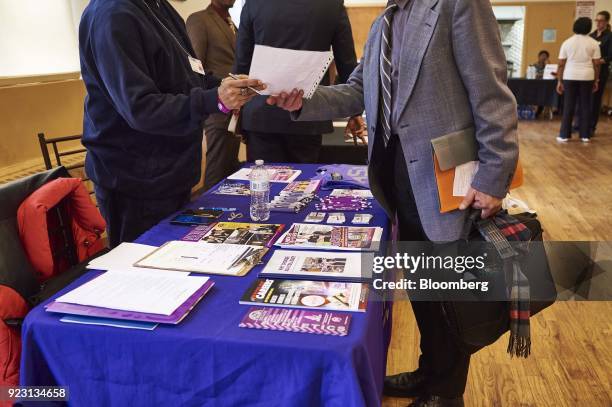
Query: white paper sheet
point(283, 70)
point(121, 257)
point(464, 174)
point(149, 291)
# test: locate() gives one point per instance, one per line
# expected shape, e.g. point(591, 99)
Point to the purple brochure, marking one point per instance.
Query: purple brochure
point(174, 318)
point(297, 320)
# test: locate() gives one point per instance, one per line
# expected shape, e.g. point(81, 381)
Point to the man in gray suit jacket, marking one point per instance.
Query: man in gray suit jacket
point(430, 68)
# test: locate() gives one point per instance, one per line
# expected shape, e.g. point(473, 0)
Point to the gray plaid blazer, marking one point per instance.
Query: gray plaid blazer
point(452, 77)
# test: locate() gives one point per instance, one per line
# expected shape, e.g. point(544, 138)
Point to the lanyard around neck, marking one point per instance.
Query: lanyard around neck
point(167, 29)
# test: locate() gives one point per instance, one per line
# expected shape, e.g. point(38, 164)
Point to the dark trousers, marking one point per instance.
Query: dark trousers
point(283, 148)
point(221, 151)
point(441, 358)
point(127, 217)
point(598, 96)
point(577, 92)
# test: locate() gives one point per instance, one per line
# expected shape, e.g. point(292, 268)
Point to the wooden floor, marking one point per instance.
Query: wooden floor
point(570, 186)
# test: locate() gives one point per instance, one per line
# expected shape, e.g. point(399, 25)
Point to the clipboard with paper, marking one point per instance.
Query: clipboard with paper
point(455, 164)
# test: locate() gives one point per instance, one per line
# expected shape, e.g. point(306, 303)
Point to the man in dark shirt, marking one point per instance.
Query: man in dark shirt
point(602, 35)
point(315, 25)
point(147, 98)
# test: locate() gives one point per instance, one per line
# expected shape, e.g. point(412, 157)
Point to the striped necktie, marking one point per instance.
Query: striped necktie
point(385, 69)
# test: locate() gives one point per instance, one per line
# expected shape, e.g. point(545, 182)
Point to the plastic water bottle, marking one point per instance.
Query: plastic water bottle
point(260, 192)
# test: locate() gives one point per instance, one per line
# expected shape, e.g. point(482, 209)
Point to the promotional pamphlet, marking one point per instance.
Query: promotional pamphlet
point(353, 193)
point(333, 296)
point(233, 188)
point(319, 265)
point(253, 234)
point(207, 258)
point(302, 187)
point(277, 173)
point(331, 237)
point(293, 320)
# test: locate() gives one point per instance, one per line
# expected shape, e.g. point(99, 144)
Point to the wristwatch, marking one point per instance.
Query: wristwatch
point(222, 108)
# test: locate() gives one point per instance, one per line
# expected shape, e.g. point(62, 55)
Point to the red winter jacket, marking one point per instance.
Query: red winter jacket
point(86, 221)
point(12, 306)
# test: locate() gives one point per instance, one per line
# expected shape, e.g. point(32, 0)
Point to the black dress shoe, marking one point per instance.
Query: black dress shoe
point(437, 401)
point(408, 384)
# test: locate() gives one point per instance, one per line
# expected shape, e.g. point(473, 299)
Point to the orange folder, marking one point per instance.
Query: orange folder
point(445, 180)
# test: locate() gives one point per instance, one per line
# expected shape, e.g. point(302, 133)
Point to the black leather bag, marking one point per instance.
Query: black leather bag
point(476, 324)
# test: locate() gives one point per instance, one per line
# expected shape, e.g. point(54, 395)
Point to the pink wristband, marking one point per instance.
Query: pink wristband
point(222, 107)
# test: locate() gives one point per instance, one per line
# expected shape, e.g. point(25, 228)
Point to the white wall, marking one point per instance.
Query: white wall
point(188, 7)
point(37, 38)
point(603, 5)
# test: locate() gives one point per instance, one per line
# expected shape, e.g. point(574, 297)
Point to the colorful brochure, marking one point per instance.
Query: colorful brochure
point(253, 234)
point(353, 193)
point(332, 296)
point(331, 237)
point(292, 320)
point(233, 188)
point(276, 173)
point(305, 264)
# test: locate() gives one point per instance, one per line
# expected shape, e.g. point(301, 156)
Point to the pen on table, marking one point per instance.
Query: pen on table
point(242, 256)
point(231, 75)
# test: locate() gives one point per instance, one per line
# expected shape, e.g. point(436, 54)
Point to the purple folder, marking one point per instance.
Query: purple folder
point(176, 317)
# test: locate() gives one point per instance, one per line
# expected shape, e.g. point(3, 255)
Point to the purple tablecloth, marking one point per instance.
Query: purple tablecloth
point(208, 359)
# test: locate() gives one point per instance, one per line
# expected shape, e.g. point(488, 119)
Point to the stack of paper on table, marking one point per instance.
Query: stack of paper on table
point(121, 257)
point(140, 295)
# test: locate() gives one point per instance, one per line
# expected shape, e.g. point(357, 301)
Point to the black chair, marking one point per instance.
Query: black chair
point(76, 169)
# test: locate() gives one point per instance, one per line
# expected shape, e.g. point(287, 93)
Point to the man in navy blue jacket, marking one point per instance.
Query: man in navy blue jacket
point(147, 99)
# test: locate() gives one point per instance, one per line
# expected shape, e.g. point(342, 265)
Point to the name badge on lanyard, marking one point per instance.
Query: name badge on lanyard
point(196, 65)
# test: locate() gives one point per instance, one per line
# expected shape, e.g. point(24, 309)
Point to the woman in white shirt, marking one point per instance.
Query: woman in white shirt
point(578, 78)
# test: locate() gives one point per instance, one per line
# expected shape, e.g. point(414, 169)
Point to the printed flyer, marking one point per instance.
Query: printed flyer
point(333, 296)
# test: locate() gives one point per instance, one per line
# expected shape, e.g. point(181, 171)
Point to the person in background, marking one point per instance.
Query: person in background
point(213, 36)
point(314, 25)
point(540, 65)
point(578, 78)
point(603, 36)
point(410, 99)
point(147, 96)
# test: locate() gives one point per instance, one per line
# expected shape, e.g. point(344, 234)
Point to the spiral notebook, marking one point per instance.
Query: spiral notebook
point(283, 70)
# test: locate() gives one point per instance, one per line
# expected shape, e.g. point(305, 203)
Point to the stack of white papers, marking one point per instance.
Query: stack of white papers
point(147, 291)
point(121, 257)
